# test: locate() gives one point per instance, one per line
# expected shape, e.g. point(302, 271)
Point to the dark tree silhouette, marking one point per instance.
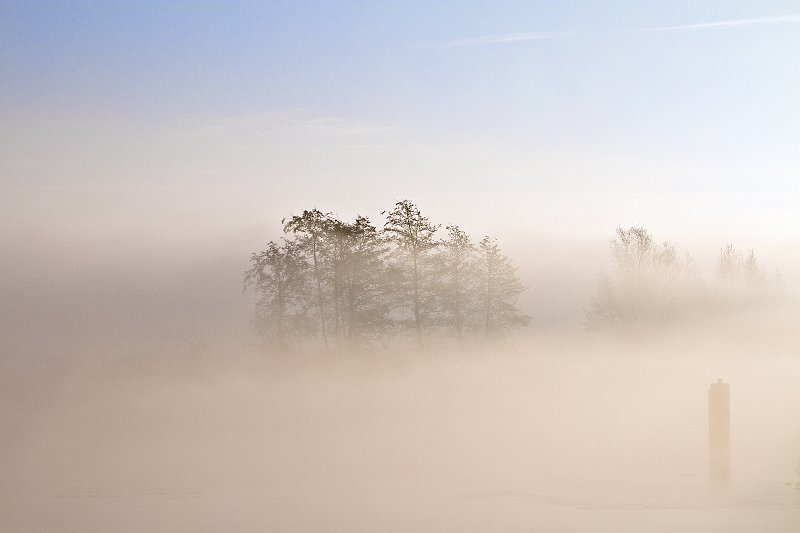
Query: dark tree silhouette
point(457, 283)
point(499, 289)
point(310, 230)
point(414, 236)
point(352, 283)
point(335, 254)
point(366, 306)
point(354, 256)
point(279, 276)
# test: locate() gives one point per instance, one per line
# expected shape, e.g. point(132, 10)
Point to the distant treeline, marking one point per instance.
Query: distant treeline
point(348, 283)
point(344, 284)
point(650, 283)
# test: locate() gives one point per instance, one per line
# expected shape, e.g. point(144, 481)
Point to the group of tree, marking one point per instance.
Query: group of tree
point(649, 282)
point(346, 284)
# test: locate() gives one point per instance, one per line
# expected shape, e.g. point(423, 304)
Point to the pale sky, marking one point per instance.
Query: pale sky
point(222, 110)
point(139, 132)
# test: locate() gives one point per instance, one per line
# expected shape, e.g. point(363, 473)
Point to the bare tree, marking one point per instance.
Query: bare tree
point(738, 272)
point(648, 281)
point(730, 267)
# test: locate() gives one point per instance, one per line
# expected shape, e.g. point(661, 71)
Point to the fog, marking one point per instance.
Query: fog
point(136, 398)
point(399, 266)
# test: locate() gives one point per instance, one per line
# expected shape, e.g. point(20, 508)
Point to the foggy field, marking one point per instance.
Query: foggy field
point(140, 405)
point(552, 435)
point(438, 267)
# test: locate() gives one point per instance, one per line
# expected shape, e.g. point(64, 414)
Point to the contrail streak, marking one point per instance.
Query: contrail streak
point(508, 38)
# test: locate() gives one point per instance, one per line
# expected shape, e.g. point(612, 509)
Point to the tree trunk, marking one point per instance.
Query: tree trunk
point(457, 289)
point(417, 325)
point(281, 311)
point(488, 292)
point(319, 292)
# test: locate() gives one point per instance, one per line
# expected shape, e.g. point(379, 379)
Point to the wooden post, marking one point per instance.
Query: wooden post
point(719, 434)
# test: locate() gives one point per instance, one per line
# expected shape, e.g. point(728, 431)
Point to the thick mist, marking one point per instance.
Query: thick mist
point(556, 434)
point(136, 397)
point(399, 266)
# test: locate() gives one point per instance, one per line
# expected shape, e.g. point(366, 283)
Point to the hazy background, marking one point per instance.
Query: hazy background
point(147, 148)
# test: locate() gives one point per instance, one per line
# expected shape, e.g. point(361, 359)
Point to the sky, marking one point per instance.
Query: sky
point(299, 103)
point(134, 135)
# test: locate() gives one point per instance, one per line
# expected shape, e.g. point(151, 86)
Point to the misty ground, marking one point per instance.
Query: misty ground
point(544, 433)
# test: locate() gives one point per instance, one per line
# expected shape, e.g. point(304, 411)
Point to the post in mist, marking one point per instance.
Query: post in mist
point(719, 434)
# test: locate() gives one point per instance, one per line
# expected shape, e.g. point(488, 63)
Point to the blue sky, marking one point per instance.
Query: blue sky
point(140, 105)
point(363, 59)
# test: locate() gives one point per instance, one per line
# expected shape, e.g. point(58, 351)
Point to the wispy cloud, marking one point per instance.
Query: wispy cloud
point(509, 38)
point(291, 122)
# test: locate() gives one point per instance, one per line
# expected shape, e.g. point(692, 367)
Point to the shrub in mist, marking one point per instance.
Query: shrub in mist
point(650, 284)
